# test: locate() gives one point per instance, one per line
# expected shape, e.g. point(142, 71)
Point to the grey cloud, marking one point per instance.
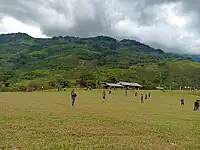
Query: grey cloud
point(136, 19)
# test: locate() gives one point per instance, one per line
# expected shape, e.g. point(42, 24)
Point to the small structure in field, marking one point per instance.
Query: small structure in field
point(112, 85)
point(160, 88)
point(129, 85)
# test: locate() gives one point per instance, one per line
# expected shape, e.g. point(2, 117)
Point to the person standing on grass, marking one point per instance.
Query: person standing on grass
point(135, 93)
point(110, 91)
point(182, 102)
point(146, 96)
point(73, 96)
point(196, 105)
point(90, 88)
point(142, 98)
point(126, 91)
point(149, 94)
point(104, 96)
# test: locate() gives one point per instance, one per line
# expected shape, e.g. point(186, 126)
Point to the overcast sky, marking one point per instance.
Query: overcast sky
point(171, 25)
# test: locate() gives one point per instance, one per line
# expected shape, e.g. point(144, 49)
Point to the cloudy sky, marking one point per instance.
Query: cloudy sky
point(173, 25)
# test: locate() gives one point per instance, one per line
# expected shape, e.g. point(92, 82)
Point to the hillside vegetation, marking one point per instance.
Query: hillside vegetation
point(28, 63)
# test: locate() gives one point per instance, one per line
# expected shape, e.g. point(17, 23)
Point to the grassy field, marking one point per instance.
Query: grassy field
point(46, 120)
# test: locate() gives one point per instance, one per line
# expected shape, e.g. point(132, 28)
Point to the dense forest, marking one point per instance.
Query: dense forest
point(27, 63)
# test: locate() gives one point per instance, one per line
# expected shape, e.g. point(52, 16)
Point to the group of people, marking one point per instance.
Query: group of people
point(196, 104)
point(145, 96)
point(142, 98)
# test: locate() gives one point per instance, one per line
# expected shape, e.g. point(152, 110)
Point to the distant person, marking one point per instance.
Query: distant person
point(42, 88)
point(146, 96)
point(142, 98)
point(126, 92)
point(196, 105)
point(149, 94)
point(135, 93)
point(89, 87)
point(73, 96)
point(182, 102)
point(104, 96)
point(110, 91)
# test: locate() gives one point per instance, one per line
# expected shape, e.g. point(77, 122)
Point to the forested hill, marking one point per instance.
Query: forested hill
point(27, 63)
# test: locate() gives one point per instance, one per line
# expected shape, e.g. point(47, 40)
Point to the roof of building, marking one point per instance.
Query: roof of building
point(114, 85)
point(160, 88)
point(129, 84)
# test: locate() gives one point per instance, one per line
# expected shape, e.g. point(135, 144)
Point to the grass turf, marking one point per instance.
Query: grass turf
point(46, 120)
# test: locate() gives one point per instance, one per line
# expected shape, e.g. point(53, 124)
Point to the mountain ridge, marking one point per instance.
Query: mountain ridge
point(129, 42)
point(73, 38)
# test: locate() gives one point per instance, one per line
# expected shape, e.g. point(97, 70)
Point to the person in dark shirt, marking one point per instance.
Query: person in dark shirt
point(58, 88)
point(104, 96)
point(146, 96)
point(182, 102)
point(110, 91)
point(126, 91)
point(149, 94)
point(73, 96)
point(196, 105)
point(135, 93)
point(142, 98)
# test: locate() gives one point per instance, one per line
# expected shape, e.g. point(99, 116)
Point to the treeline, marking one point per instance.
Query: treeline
point(170, 75)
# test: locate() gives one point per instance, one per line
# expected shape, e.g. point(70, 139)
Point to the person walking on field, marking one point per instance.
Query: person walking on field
point(135, 93)
point(142, 98)
point(126, 91)
point(196, 105)
point(73, 96)
point(146, 96)
point(104, 96)
point(182, 102)
point(110, 91)
point(149, 94)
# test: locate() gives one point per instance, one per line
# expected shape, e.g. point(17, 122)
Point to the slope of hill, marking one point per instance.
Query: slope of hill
point(27, 62)
point(194, 57)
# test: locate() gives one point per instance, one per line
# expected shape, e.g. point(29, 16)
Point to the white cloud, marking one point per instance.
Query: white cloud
point(169, 30)
point(11, 25)
point(171, 25)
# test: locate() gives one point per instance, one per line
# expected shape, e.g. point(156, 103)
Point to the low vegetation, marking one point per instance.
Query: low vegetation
point(46, 120)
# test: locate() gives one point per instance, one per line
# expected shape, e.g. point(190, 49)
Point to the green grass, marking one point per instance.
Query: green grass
point(46, 120)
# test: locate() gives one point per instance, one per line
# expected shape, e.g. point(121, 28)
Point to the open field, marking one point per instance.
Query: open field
point(46, 120)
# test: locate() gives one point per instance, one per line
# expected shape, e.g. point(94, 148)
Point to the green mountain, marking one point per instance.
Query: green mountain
point(27, 63)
